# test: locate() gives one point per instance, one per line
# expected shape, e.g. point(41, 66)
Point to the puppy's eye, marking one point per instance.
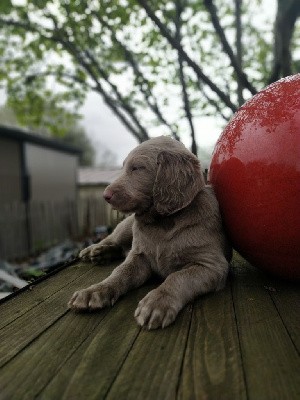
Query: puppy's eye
point(137, 168)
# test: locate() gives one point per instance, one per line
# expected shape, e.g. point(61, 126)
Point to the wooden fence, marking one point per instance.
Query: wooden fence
point(28, 229)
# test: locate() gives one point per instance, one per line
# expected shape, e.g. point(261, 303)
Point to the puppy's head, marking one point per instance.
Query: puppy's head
point(160, 173)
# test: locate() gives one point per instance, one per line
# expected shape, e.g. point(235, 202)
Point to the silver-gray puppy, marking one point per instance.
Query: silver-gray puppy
point(175, 231)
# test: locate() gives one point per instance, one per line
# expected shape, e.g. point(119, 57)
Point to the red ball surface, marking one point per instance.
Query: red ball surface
point(255, 171)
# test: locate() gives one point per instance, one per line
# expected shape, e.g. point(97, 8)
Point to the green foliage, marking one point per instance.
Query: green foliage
point(32, 273)
point(5, 6)
point(41, 110)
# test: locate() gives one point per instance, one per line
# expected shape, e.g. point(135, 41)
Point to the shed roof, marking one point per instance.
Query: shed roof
point(22, 135)
point(96, 176)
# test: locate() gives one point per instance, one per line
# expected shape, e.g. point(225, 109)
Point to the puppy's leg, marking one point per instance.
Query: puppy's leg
point(113, 245)
point(160, 307)
point(133, 272)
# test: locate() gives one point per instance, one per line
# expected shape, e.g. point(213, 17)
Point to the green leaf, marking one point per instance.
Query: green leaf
point(5, 6)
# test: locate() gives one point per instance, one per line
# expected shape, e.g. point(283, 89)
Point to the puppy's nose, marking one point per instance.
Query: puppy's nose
point(107, 195)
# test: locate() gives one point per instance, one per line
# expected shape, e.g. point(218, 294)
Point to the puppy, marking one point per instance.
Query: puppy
point(175, 231)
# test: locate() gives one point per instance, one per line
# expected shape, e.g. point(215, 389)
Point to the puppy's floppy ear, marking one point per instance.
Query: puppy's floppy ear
point(178, 180)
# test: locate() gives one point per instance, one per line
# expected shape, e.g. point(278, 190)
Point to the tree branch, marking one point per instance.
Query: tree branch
point(173, 42)
point(73, 78)
point(214, 103)
point(226, 46)
point(112, 105)
point(239, 47)
point(185, 96)
point(123, 102)
point(141, 80)
point(110, 101)
point(99, 89)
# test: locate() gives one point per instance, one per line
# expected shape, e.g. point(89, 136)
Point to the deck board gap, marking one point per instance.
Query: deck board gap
point(33, 340)
point(122, 363)
point(230, 279)
point(284, 324)
point(42, 300)
point(184, 351)
point(39, 395)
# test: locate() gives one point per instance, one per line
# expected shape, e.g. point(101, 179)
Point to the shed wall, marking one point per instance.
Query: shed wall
point(10, 171)
point(52, 174)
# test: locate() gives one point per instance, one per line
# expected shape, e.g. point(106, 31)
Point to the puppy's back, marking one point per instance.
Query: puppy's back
point(209, 206)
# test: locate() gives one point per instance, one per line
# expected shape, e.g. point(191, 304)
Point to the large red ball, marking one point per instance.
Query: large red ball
point(255, 171)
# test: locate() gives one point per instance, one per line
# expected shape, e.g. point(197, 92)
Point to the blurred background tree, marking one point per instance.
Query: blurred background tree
point(158, 65)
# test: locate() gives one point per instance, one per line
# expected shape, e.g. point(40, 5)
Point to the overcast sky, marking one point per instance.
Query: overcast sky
point(104, 128)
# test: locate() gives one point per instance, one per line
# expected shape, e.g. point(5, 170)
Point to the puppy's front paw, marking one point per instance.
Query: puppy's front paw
point(97, 252)
point(93, 298)
point(157, 309)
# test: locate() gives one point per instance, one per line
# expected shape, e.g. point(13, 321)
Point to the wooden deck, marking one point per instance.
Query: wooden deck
point(240, 343)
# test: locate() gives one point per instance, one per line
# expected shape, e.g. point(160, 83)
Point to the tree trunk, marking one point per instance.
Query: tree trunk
point(287, 13)
point(239, 47)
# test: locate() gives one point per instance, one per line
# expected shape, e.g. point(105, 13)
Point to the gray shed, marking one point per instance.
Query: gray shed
point(38, 189)
point(35, 168)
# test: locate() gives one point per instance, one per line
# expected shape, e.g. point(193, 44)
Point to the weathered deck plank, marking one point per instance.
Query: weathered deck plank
point(270, 358)
point(152, 368)
point(41, 311)
point(286, 298)
point(98, 360)
point(30, 371)
point(19, 305)
point(212, 363)
point(239, 343)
